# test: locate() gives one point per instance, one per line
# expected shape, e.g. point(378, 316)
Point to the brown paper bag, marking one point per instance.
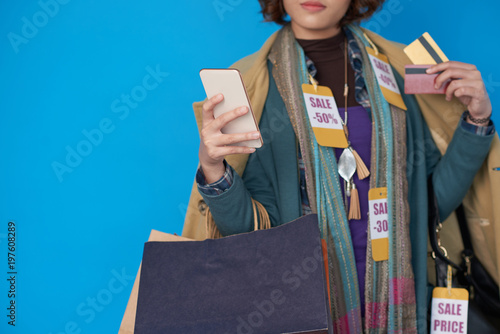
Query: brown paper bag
point(128, 321)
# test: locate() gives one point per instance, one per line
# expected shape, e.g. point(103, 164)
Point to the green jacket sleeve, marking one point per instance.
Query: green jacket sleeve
point(453, 174)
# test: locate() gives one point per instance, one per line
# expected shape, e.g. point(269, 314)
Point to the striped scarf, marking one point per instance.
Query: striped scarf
point(390, 294)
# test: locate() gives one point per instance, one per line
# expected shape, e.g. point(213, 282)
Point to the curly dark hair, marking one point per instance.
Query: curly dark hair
point(273, 11)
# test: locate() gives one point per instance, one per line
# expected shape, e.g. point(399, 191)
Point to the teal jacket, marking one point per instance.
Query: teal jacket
point(272, 178)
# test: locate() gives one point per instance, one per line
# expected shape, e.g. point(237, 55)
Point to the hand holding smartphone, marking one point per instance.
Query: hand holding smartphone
point(230, 84)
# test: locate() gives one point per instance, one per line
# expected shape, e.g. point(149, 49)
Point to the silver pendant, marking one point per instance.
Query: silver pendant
point(347, 167)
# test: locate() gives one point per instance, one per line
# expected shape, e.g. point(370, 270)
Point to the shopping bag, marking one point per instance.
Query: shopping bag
point(267, 281)
point(128, 321)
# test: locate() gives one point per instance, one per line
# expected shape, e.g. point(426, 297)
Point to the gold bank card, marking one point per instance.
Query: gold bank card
point(425, 51)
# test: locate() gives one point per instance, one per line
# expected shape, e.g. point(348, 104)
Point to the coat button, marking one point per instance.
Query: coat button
point(202, 207)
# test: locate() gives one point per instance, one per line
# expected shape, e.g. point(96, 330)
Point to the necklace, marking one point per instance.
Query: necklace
point(350, 161)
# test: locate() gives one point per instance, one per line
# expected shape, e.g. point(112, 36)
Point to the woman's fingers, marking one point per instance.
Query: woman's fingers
point(213, 127)
point(227, 140)
point(227, 117)
point(213, 154)
point(460, 88)
point(215, 145)
point(216, 124)
point(217, 153)
point(231, 139)
point(466, 84)
point(454, 70)
point(207, 110)
point(456, 64)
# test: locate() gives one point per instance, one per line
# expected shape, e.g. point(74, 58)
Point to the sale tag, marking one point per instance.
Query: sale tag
point(449, 310)
point(324, 116)
point(385, 78)
point(379, 223)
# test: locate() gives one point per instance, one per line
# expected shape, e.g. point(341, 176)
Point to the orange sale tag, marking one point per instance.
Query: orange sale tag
point(385, 78)
point(450, 308)
point(379, 223)
point(324, 116)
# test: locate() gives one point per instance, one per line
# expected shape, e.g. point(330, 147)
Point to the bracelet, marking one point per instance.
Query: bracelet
point(477, 120)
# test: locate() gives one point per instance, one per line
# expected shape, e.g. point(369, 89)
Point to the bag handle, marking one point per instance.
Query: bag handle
point(259, 214)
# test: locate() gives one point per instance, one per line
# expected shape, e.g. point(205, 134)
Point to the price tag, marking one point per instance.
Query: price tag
point(449, 310)
point(385, 78)
point(324, 116)
point(379, 223)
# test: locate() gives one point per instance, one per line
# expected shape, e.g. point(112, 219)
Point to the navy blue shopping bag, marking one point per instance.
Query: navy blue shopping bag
point(268, 281)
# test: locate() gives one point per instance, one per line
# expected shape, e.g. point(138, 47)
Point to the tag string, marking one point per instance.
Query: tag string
point(374, 47)
point(314, 82)
point(449, 278)
point(346, 85)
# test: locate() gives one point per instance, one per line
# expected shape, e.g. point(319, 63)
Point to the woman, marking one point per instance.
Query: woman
point(292, 175)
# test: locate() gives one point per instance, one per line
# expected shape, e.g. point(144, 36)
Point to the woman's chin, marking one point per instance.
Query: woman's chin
point(313, 29)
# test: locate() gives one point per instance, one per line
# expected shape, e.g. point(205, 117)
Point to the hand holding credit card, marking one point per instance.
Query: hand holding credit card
point(424, 53)
point(433, 73)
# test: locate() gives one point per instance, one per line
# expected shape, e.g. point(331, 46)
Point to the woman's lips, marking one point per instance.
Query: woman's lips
point(313, 6)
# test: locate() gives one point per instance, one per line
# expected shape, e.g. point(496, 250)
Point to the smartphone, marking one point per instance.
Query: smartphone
point(230, 84)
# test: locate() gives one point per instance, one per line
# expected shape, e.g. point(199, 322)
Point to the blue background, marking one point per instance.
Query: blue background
point(77, 232)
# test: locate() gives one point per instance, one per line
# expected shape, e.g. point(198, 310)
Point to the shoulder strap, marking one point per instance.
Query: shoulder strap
point(435, 226)
point(464, 230)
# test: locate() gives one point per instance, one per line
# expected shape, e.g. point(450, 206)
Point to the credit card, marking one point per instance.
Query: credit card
point(417, 81)
point(425, 51)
